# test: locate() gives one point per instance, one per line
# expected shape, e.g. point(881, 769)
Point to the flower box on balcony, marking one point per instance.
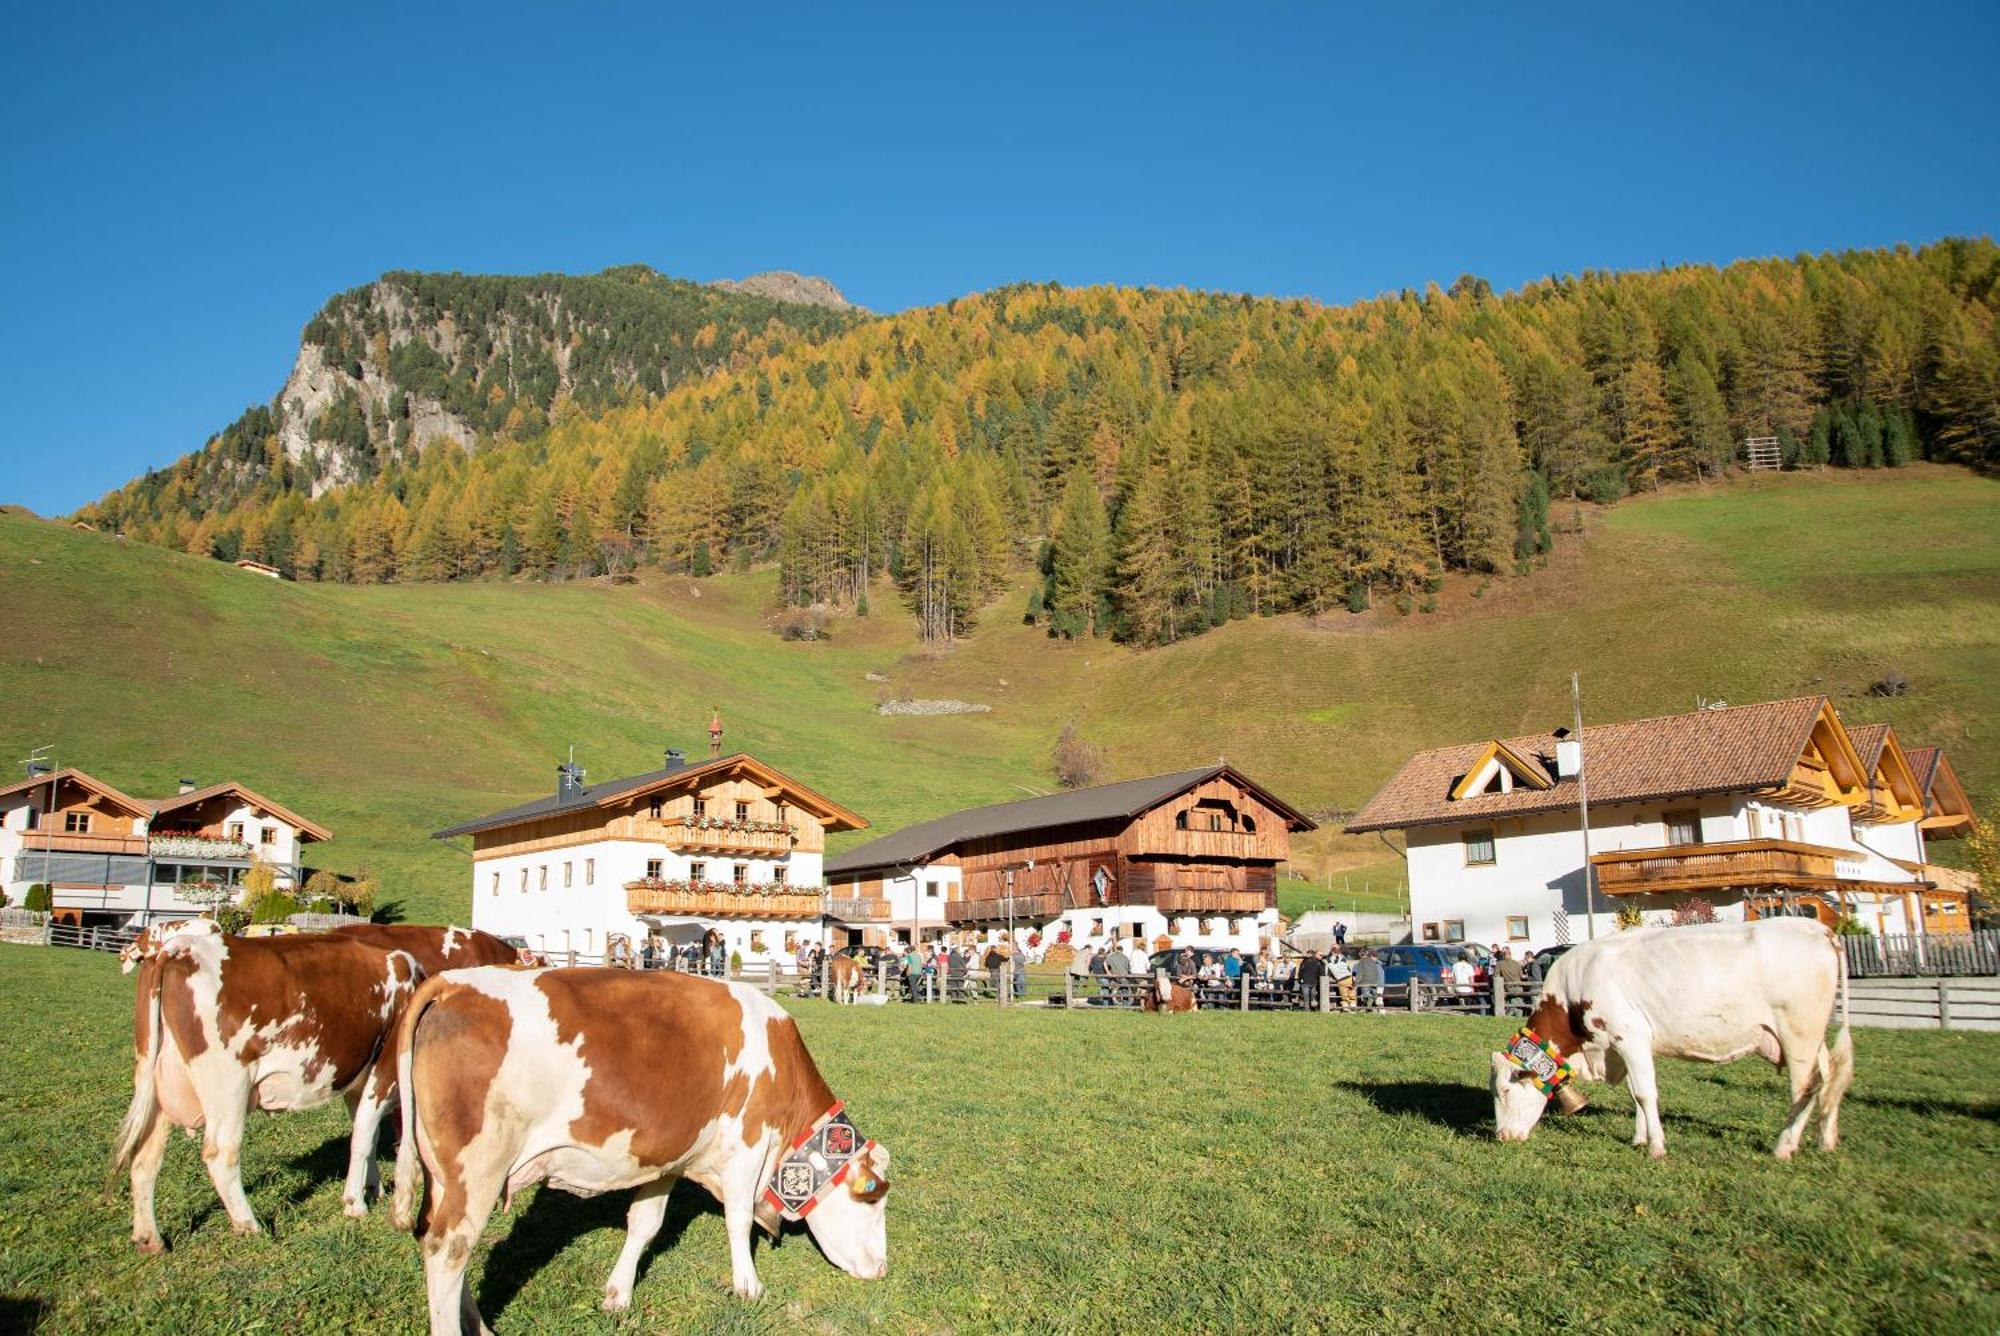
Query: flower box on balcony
point(196, 846)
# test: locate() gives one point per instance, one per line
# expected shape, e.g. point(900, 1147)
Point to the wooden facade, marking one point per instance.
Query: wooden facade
point(1212, 849)
point(773, 822)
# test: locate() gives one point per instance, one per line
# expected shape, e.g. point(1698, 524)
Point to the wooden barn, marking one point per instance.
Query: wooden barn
point(1191, 855)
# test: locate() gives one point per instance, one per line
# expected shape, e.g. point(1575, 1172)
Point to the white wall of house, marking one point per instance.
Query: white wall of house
point(574, 898)
point(1537, 870)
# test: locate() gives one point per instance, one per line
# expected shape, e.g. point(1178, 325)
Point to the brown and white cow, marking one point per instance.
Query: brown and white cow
point(1710, 993)
point(1163, 994)
point(223, 1025)
point(436, 949)
point(847, 979)
point(600, 1079)
point(156, 935)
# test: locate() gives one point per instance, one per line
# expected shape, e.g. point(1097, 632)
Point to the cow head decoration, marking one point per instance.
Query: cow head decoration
point(838, 1184)
point(1525, 1075)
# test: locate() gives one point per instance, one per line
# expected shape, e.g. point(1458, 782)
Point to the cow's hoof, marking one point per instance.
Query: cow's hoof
point(245, 1228)
point(1657, 1152)
point(354, 1209)
point(615, 1300)
point(752, 1291)
point(1783, 1153)
point(150, 1244)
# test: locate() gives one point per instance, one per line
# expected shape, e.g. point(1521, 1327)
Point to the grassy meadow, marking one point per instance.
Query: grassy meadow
point(390, 712)
point(1086, 1172)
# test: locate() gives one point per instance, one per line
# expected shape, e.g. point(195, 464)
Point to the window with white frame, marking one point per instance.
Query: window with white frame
point(697, 872)
point(268, 835)
point(567, 883)
point(740, 874)
point(655, 866)
point(590, 872)
point(235, 831)
point(1683, 827)
point(779, 875)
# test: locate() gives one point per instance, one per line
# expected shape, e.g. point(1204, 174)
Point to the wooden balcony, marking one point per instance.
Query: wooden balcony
point(1177, 901)
point(51, 841)
point(691, 838)
point(858, 909)
point(999, 908)
point(1738, 865)
point(721, 902)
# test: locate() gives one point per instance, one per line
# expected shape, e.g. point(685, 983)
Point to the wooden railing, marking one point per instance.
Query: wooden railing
point(80, 842)
point(722, 902)
point(1000, 907)
point(858, 909)
point(725, 840)
point(1748, 864)
point(1174, 900)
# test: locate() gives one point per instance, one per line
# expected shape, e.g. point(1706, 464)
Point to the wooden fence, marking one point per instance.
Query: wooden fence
point(1941, 1003)
point(1923, 954)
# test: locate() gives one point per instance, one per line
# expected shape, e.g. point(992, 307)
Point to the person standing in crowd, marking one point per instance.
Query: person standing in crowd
point(1311, 970)
point(1020, 963)
point(955, 961)
point(996, 967)
point(1341, 970)
point(1368, 974)
point(1232, 965)
point(1462, 973)
point(1116, 961)
point(1079, 966)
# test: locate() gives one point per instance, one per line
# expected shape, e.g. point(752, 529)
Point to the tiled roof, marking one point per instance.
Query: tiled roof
point(1923, 764)
point(1742, 748)
point(919, 843)
point(1868, 740)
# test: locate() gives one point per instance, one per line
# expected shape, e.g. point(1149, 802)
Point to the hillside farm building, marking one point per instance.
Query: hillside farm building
point(1778, 808)
point(109, 858)
point(729, 844)
point(1192, 856)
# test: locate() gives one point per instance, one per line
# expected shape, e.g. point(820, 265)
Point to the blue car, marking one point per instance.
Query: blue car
point(1429, 962)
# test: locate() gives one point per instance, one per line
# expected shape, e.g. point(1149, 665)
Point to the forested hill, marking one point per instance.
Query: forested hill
point(1171, 459)
point(468, 359)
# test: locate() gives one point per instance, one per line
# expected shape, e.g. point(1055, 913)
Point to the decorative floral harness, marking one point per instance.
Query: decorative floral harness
point(816, 1163)
point(1542, 1060)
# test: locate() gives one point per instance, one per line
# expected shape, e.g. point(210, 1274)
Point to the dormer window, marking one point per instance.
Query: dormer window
point(700, 808)
point(1499, 769)
point(655, 808)
point(742, 812)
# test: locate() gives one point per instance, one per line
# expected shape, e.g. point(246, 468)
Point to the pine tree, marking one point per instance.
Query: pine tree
point(1648, 423)
point(1079, 554)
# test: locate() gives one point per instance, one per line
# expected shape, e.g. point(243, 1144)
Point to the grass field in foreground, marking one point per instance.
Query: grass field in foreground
point(1087, 1172)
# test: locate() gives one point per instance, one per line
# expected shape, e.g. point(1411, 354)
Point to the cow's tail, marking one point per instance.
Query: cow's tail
point(403, 1208)
point(145, 1106)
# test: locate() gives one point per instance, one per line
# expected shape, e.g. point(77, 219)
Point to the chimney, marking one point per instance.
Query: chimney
point(1569, 755)
point(569, 782)
point(187, 784)
point(676, 758)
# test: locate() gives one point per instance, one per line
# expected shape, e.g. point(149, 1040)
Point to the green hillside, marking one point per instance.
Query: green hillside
point(389, 711)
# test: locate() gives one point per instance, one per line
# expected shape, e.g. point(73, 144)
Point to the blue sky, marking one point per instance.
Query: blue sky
point(183, 190)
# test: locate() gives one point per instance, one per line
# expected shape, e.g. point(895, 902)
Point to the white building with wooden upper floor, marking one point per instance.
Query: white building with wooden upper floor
point(1756, 810)
point(729, 845)
point(113, 859)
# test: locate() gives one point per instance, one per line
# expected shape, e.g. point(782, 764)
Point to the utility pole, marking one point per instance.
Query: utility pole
point(1583, 806)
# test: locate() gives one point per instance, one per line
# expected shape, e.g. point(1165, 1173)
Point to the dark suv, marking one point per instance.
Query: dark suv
point(1429, 961)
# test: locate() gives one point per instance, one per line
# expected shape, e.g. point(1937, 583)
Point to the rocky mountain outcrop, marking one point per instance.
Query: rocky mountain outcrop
point(785, 286)
point(413, 359)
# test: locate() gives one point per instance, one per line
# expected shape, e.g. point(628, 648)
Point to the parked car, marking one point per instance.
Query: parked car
point(1547, 957)
point(1428, 961)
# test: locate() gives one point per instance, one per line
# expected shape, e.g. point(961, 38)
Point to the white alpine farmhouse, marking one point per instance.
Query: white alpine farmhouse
point(114, 860)
point(729, 845)
point(1777, 808)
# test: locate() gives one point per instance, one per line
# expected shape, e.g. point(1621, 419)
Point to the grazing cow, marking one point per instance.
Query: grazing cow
point(1711, 993)
point(223, 1025)
point(847, 977)
point(155, 936)
point(600, 1079)
point(436, 949)
point(1166, 995)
